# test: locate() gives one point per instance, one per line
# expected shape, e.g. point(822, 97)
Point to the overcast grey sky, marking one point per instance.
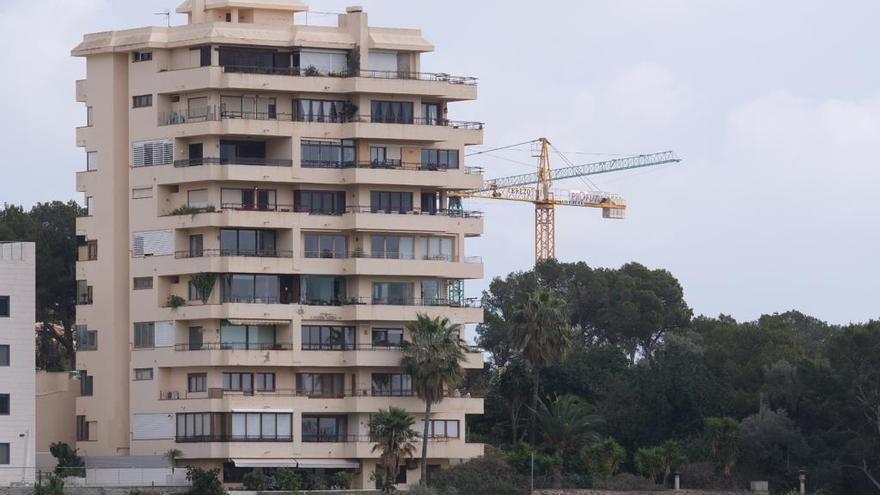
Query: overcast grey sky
point(774, 106)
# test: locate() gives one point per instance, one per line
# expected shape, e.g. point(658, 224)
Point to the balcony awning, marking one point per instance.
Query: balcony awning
point(266, 463)
point(240, 321)
point(298, 463)
point(327, 463)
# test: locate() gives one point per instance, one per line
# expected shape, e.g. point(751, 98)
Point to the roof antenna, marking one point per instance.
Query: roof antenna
point(167, 14)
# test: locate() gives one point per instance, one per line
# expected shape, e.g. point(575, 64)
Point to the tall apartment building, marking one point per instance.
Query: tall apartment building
point(17, 389)
point(267, 207)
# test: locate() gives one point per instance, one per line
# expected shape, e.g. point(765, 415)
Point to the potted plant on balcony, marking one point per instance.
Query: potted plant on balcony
point(311, 71)
point(175, 301)
point(358, 252)
point(349, 109)
point(204, 285)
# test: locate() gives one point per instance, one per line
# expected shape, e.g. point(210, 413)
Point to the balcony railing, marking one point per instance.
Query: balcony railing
point(288, 208)
point(213, 114)
point(373, 74)
point(327, 254)
point(231, 438)
point(241, 253)
point(361, 300)
point(387, 165)
point(234, 346)
point(260, 162)
point(218, 393)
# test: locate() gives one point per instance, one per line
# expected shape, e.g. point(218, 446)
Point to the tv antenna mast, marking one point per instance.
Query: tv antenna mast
point(167, 14)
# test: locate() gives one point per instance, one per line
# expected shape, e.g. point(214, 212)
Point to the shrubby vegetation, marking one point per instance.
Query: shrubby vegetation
point(721, 401)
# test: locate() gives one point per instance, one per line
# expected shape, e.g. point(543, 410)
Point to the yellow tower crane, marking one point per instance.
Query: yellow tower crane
point(537, 188)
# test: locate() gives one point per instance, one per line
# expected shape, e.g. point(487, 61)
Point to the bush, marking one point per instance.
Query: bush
point(69, 463)
point(485, 475)
point(603, 458)
point(288, 480)
point(342, 480)
point(53, 485)
point(175, 301)
point(520, 459)
point(626, 482)
point(254, 481)
point(204, 481)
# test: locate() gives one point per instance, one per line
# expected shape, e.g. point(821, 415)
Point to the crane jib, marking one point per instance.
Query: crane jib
point(617, 164)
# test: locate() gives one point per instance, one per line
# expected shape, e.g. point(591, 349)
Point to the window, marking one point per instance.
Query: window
point(391, 247)
point(238, 382)
point(432, 292)
point(323, 61)
point(197, 109)
point(197, 382)
point(143, 374)
point(92, 250)
point(91, 160)
point(400, 293)
point(4, 306)
point(141, 56)
point(204, 56)
point(392, 385)
point(431, 113)
point(327, 338)
point(82, 429)
point(322, 290)
point(83, 292)
point(4, 355)
point(324, 428)
point(148, 153)
point(249, 199)
point(196, 338)
point(387, 337)
point(144, 335)
point(142, 101)
point(436, 248)
point(265, 382)
point(439, 159)
point(442, 428)
point(196, 246)
point(4, 404)
point(319, 202)
point(391, 201)
point(333, 111)
point(326, 246)
point(392, 112)
point(328, 154)
point(89, 117)
point(320, 384)
point(193, 426)
point(253, 107)
point(242, 152)
point(141, 192)
point(197, 198)
point(90, 205)
point(4, 453)
point(251, 289)
point(86, 340)
point(247, 337)
point(86, 384)
point(247, 243)
point(142, 283)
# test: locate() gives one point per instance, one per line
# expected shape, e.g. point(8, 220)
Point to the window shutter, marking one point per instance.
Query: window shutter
point(147, 153)
point(164, 334)
point(153, 243)
point(152, 426)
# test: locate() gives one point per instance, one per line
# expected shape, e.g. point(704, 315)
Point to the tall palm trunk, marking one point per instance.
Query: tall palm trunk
point(424, 480)
point(536, 381)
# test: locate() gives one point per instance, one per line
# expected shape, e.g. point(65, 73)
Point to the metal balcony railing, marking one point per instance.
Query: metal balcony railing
point(212, 113)
point(218, 393)
point(233, 346)
point(373, 74)
point(241, 253)
point(261, 162)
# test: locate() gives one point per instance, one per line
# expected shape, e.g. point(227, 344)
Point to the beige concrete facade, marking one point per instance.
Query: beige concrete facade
point(56, 403)
point(307, 168)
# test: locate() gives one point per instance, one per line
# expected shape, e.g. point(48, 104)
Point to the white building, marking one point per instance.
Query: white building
point(17, 392)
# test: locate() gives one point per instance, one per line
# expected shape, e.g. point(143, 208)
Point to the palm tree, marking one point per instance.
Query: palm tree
point(432, 357)
point(567, 425)
point(543, 335)
point(393, 433)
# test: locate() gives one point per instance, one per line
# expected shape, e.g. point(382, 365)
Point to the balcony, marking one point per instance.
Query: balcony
point(214, 121)
point(243, 253)
point(81, 90)
point(440, 85)
point(257, 162)
point(279, 354)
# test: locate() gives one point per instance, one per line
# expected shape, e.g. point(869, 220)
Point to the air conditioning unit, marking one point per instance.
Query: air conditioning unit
point(172, 395)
